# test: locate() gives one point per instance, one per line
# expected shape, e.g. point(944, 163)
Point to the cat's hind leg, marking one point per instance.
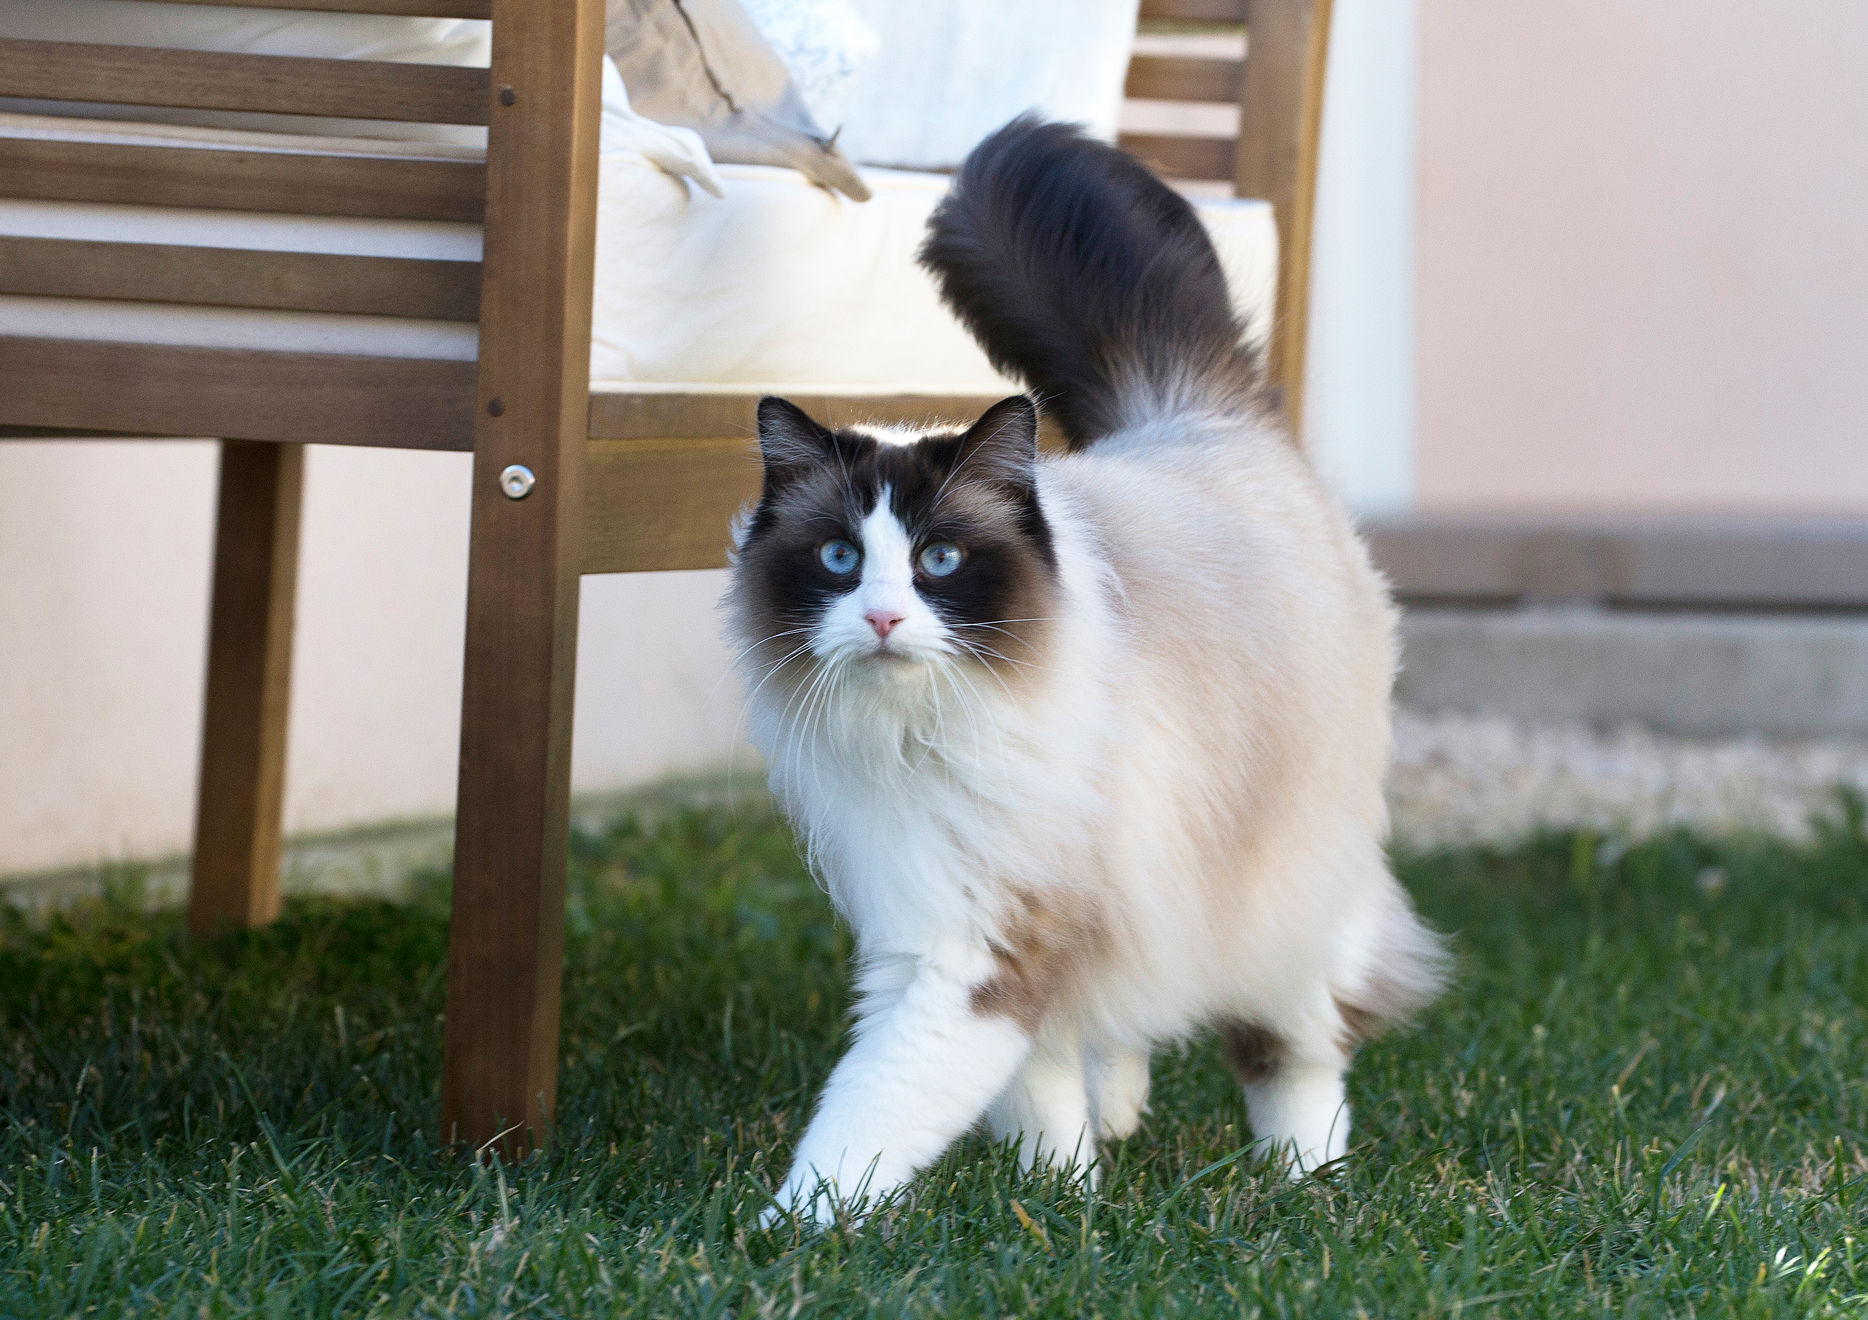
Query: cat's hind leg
point(1046, 1107)
point(1118, 1078)
point(1293, 1086)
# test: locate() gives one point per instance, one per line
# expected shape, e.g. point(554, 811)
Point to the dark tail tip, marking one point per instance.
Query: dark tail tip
point(1088, 277)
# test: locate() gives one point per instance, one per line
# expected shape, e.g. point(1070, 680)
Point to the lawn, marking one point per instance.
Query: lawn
point(1646, 1095)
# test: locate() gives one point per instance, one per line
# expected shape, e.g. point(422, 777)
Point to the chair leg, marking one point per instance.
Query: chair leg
point(235, 882)
point(506, 941)
point(499, 1072)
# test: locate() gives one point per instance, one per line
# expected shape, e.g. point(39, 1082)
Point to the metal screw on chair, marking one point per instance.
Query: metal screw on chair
point(517, 481)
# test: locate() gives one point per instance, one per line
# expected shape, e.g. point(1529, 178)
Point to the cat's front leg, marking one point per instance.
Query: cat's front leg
point(928, 1058)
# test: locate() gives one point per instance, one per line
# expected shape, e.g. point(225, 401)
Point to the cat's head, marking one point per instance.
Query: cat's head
point(884, 553)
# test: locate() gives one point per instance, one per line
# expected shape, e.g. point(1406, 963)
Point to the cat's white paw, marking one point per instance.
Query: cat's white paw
point(1118, 1119)
point(813, 1217)
point(1121, 1096)
point(1300, 1117)
point(814, 1205)
point(1297, 1164)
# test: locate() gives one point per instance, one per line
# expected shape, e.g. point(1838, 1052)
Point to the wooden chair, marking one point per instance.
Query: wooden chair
point(1278, 88)
point(564, 482)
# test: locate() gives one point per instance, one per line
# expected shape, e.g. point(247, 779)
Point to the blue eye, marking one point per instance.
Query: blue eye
point(940, 559)
point(840, 557)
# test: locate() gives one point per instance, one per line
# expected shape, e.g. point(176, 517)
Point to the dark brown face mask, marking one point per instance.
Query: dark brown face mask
point(967, 500)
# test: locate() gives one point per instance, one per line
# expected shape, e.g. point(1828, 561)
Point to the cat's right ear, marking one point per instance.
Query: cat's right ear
point(790, 442)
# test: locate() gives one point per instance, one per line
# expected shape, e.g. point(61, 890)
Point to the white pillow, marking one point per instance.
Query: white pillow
point(461, 41)
point(677, 150)
point(824, 43)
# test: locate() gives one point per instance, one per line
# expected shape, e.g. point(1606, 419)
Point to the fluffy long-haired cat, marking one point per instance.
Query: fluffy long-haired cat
point(1087, 748)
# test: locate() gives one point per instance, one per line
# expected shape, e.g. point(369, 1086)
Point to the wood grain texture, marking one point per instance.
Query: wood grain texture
point(241, 277)
point(1184, 78)
point(674, 414)
point(420, 8)
point(499, 1072)
point(668, 469)
point(664, 504)
point(1180, 157)
point(217, 80)
point(234, 883)
point(1281, 113)
point(246, 394)
point(1231, 12)
point(237, 179)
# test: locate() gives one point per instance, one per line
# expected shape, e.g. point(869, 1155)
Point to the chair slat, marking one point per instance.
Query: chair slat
point(1183, 78)
point(664, 504)
point(667, 469)
point(1194, 11)
point(215, 80)
point(1183, 157)
point(672, 414)
point(303, 183)
point(239, 277)
point(413, 8)
point(237, 394)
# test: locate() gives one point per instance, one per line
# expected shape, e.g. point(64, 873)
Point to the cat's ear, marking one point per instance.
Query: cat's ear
point(1002, 446)
point(790, 442)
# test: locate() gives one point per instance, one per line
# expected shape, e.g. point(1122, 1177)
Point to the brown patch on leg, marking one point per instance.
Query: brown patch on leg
point(1254, 1052)
point(1040, 949)
point(1021, 989)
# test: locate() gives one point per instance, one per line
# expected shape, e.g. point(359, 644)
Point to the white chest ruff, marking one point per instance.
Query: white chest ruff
point(920, 829)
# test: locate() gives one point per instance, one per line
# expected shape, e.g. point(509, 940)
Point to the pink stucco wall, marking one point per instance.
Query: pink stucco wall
point(1643, 255)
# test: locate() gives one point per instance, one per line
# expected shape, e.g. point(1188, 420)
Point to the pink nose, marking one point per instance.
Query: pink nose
point(883, 621)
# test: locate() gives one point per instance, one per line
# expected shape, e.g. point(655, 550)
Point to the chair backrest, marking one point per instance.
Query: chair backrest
point(1276, 81)
point(244, 393)
point(1184, 81)
point(425, 402)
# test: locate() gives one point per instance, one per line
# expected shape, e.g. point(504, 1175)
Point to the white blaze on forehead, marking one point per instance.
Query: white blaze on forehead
point(892, 435)
point(888, 553)
point(886, 582)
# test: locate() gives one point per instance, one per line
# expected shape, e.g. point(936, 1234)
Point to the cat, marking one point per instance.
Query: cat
point(1087, 748)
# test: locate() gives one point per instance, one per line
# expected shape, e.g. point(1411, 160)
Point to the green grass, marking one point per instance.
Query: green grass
point(1646, 1095)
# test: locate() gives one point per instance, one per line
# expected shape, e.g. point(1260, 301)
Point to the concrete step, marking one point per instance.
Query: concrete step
point(1690, 673)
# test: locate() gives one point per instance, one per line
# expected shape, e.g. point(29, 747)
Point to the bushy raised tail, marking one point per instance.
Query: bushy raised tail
point(1090, 279)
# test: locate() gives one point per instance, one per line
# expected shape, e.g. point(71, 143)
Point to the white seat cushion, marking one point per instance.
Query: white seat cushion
point(777, 282)
point(781, 281)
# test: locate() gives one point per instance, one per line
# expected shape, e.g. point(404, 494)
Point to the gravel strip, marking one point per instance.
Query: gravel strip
point(1485, 779)
point(1457, 779)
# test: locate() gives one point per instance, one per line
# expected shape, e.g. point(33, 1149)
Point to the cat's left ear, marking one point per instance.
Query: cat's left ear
point(1002, 446)
point(790, 442)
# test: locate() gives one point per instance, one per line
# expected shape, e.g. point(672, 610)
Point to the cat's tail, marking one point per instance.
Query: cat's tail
point(1090, 279)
